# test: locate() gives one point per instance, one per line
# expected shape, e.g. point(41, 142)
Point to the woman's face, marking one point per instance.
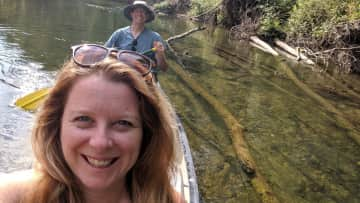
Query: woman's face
point(101, 132)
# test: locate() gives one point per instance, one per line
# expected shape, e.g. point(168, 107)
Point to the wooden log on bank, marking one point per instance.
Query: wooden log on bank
point(265, 46)
point(287, 50)
point(297, 53)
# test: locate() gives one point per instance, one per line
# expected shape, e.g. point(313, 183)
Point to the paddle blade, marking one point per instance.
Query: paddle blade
point(31, 101)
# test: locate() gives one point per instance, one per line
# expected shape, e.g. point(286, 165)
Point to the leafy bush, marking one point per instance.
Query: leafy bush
point(275, 16)
point(313, 18)
point(201, 6)
point(163, 6)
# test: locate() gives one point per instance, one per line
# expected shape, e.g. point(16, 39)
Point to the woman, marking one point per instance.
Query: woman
point(137, 37)
point(105, 133)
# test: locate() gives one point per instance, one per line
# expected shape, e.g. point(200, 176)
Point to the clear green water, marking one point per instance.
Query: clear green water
point(301, 145)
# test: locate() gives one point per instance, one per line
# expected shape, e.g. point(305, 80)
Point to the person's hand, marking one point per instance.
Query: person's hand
point(160, 55)
point(159, 46)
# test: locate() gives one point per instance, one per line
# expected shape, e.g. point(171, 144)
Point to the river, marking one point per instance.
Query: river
point(301, 124)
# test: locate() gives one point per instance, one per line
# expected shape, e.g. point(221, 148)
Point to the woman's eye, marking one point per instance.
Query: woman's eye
point(83, 119)
point(124, 123)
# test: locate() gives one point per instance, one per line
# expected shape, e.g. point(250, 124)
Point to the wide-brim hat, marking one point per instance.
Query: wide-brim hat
point(140, 4)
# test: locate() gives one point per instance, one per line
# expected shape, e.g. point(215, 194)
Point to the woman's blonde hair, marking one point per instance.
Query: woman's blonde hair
point(148, 180)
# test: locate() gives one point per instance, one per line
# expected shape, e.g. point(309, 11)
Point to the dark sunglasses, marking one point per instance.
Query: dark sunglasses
point(133, 44)
point(86, 55)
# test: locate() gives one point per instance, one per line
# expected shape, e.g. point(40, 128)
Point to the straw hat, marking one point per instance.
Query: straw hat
point(140, 4)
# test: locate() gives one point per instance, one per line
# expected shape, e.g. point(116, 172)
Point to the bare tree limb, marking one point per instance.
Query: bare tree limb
point(184, 34)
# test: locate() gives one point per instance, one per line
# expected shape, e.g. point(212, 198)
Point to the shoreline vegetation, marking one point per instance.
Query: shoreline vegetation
point(315, 32)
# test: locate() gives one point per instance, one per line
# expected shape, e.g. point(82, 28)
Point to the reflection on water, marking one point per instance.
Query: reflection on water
point(299, 124)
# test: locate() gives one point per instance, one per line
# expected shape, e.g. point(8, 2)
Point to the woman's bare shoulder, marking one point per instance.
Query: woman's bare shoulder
point(14, 185)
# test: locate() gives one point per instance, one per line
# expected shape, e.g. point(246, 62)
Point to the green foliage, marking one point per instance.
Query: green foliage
point(353, 10)
point(313, 18)
point(162, 5)
point(201, 6)
point(275, 15)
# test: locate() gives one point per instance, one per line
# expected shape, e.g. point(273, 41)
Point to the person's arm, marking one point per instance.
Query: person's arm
point(112, 39)
point(9, 193)
point(160, 56)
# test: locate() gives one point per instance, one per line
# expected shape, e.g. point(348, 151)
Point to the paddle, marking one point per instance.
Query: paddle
point(31, 102)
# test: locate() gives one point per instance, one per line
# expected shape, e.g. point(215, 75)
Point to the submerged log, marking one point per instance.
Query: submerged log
point(353, 133)
point(236, 130)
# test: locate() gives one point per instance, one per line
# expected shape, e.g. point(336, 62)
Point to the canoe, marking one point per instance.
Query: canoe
point(184, 181)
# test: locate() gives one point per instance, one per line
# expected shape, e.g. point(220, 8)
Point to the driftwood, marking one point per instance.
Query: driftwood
point(260, 47)
point(180, 36)
point(297, 53)
point(185, 34)
point(265, 46)
point(286, 54)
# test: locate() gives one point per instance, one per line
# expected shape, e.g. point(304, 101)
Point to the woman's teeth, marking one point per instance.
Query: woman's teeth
point(99, 163)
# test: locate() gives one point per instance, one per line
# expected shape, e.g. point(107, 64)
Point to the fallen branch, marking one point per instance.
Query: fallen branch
point(297, 53)
point(259, 47)
point(265, 46)
point(185, 34)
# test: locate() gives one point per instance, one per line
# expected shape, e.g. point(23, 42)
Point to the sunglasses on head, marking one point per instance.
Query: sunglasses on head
point(86, 55)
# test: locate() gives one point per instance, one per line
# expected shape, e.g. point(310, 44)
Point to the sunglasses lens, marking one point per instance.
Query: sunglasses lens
point(134, 43)
point(138, 62)
point(88, 55)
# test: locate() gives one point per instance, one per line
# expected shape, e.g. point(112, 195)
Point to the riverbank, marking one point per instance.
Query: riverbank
point(326, 32)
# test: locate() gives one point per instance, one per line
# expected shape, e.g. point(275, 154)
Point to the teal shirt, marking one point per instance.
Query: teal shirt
point(122, 39)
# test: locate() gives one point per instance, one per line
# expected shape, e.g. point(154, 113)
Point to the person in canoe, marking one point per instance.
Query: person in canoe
point(137, 37)
point(104, 133)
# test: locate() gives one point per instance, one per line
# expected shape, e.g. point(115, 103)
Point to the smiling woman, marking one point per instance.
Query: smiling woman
point(97, 138)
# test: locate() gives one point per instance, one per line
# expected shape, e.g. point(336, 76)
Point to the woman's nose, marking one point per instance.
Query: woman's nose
point(100, 138)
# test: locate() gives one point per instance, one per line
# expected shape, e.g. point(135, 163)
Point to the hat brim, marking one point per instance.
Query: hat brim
point(149, 12)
